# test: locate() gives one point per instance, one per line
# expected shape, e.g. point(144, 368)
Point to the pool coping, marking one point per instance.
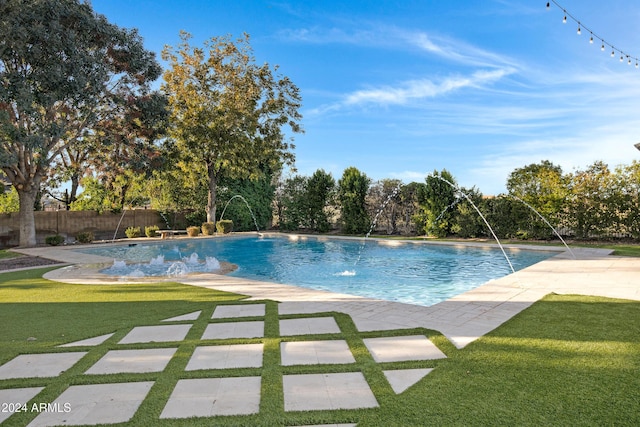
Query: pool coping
point(462, 319)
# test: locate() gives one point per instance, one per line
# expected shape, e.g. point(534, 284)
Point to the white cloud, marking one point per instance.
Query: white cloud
point(419, 89)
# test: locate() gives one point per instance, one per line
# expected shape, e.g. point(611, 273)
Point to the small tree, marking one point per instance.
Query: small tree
point(319, 191)
point(437, 201)
point(291, 203)
point(352, 193)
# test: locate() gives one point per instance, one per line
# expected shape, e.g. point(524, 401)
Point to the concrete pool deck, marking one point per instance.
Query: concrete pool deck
point(462, 319)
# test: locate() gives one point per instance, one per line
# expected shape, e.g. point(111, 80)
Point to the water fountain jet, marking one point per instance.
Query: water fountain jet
point(248, 207)
point(546, 222)
point(456, 188)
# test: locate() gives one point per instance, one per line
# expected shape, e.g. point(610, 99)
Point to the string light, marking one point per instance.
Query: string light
point(593, 36)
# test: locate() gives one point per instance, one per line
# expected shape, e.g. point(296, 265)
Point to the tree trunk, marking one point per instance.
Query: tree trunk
point(27, 219)
point(213, 190)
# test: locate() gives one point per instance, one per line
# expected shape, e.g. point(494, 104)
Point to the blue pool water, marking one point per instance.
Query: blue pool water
point(413, 273)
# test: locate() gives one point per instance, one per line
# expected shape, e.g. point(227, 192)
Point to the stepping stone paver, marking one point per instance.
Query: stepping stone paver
point(89, 341)
point(95, 404)
point(226, 357)
point(208, 397)
point(39, 365)
point(309, 326)
point(238, 310)
point(317, 392)
point(188, 316)
point(216, 331)
point(14, 398)
point(133, 361)
point(160, 333)
point(398, 349)
point(315, 352)
point(402, 379)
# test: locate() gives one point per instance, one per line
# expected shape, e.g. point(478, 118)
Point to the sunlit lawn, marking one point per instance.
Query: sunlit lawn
point(567, 360)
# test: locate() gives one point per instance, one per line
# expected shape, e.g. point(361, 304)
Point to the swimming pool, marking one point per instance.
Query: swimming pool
point(414, 273)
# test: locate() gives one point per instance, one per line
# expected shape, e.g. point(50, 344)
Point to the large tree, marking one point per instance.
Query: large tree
point(60, 64)
point(228, 113)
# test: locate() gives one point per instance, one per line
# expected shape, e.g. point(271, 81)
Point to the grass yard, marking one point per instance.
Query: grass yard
point(5, 254)
point(567, 360)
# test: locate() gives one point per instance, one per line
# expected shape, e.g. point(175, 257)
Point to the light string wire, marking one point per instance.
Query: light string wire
point(603, 42)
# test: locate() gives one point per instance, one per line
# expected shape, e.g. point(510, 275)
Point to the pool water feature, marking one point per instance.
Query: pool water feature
point(415, 273)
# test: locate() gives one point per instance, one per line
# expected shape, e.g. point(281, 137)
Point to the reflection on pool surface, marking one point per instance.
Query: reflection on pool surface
point(414, 273)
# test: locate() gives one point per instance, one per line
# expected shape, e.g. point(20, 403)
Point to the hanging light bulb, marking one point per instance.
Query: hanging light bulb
point(621, 58)
point(636, 64)
point(579, 31)
point(548, 5)
point(564, 20)
point(629, 61)
point(591, 39)
point(613, 54)
point(602, 47)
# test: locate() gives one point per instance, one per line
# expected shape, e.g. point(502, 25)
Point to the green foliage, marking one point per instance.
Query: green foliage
point(467, 222)
point(543, 187)
point(132, 232)
point(193, 231)
point(195, 217)
point(228, 113)
point(93, 198)
point(54, 240)
point(68, 67)
point(208, 228)
point(85, 237)
point(259, 194)
point(436, 202)
point(291, 203)
point(224, 226)
point(9, 201)
point(384, 204)
point(318, 195)
point(352, 193)
point(151, 231)
point(304, 202)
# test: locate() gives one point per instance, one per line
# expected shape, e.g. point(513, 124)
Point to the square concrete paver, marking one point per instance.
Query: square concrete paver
point(402, 379)
point(11, 400)
point(226, 330)
point(318, 392)
point(95, 404)
point(39, 365)
point(398, 349)
point(309, 326)
point(315, 352)
point(161, 333)
point(133, 361)
point(188, 316)
point(238, 310)
point(89, 341)
point(226, 357)
point(208, 397)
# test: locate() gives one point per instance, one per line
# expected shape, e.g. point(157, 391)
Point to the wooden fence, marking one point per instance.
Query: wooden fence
point(70, 223)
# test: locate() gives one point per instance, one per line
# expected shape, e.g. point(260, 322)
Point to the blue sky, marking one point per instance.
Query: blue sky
point(400, 88)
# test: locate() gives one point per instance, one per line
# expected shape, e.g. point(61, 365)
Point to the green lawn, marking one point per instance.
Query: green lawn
point(5, 254)
point(567, 360)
